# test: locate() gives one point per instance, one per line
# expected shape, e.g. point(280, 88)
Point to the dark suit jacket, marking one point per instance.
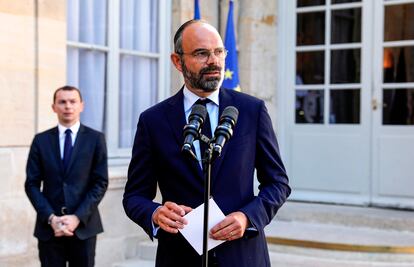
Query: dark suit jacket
point(80, 188)
point(157, 158)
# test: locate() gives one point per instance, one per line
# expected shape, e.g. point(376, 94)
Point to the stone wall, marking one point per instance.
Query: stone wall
point(32, 66)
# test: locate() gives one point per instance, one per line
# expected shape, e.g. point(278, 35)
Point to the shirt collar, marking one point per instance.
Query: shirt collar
point(190, 98)
point(74, 128)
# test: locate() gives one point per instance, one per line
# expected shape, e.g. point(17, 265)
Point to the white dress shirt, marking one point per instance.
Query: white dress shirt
point(74, 128)
point(212, 108)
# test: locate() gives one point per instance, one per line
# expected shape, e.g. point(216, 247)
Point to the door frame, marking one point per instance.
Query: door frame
point(285, 85)
point(378, 130)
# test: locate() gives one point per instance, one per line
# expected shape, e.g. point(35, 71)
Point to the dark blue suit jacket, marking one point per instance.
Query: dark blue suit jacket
point(80, 188)
point(157, 158)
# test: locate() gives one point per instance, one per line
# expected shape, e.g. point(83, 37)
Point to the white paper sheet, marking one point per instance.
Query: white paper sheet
point(193, 231)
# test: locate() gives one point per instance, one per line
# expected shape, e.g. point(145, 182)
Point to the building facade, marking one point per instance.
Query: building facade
point(337, 77)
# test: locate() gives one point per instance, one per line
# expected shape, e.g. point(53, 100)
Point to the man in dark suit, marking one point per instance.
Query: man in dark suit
point(157, 160)
point(67, 176)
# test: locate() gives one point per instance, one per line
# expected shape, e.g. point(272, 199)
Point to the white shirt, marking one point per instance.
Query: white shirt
point(212, 108)
point(74, 128)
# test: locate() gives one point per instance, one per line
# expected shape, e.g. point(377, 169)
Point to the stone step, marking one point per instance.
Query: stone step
point(286, 256)
point(376, 218)
point(340, 234)
point(343, 227)
point(147, 250)
point(321, 235)
point(135, 262)
point(145, 257)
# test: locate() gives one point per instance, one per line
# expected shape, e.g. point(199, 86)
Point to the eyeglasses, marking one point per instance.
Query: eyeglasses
point(203, 55)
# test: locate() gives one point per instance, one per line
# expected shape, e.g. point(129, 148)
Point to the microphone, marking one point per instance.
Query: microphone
point(224, 130)
point(193, 127)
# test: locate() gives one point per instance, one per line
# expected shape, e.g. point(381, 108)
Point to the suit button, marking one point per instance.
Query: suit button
point(64, 184)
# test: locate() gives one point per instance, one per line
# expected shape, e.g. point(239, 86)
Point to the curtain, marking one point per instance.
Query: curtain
point(86, 69)
point(138, 75)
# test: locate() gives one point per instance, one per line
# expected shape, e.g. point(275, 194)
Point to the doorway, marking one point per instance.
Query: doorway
point(349, 103)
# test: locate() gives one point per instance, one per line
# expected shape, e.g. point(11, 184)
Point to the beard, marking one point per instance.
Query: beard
point(197, 80)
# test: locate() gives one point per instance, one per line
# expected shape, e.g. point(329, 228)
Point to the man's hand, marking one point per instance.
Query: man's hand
point(231, 228)
point(59, 227)
point(70, 222)
point(170, 217)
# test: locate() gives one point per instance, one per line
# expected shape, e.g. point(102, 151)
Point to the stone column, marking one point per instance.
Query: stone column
point(257, 39)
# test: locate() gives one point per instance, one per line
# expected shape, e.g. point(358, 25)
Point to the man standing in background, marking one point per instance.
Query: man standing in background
point(67, 177)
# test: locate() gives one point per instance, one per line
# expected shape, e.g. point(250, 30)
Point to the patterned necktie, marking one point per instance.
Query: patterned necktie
point(206, 130)
point(67, 150)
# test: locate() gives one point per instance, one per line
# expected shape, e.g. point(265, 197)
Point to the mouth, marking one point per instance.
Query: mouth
point(211, 73)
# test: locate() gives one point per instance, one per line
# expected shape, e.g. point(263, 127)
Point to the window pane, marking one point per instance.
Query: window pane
point(307, 72)
point(344, 106)
point(398, 107)
point(344, 1)
point(310, 28)
point(87, 70)
point(345, 66)
point(398, 22)
point(309, 106)
point(398, 64)
point(138, 91)
point(87, 21)
point(139, 25)
point(346, 26)
point(310, 2)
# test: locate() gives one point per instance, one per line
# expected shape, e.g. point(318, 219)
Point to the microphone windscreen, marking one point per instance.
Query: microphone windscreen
point(230, 112)
point(199, 110)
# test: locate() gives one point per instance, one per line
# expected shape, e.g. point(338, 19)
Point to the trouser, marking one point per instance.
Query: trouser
point(59, 250)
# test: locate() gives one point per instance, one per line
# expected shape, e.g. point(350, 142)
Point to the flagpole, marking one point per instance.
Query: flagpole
point(231, 74)
point(197, 15)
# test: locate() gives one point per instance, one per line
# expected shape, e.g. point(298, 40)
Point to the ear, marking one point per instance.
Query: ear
point(81, 106)
point(53, 107)
point(176, 60)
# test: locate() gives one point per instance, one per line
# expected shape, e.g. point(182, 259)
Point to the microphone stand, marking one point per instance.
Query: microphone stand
point(206, 162)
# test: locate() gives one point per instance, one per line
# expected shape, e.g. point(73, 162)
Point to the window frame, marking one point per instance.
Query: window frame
point(113, 53)
point(327, 48)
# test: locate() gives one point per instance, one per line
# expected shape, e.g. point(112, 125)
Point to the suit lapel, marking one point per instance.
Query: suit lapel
point(176, 118)
point(54, 141)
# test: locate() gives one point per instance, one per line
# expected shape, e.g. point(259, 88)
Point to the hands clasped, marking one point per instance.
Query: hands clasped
point(64, 225)
point(170, 218)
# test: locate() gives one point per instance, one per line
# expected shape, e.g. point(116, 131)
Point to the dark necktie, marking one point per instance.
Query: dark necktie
point(206, 130)
point(67, 149)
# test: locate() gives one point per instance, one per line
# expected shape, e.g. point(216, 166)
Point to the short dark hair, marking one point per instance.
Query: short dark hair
point(67, 88)
point(178, 37)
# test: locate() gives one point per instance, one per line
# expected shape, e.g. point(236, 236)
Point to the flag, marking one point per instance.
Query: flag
point(231, 74)
point(196, 10)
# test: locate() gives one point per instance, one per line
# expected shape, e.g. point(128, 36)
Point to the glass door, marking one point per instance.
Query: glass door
point(393, 141)
point(329, 95)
